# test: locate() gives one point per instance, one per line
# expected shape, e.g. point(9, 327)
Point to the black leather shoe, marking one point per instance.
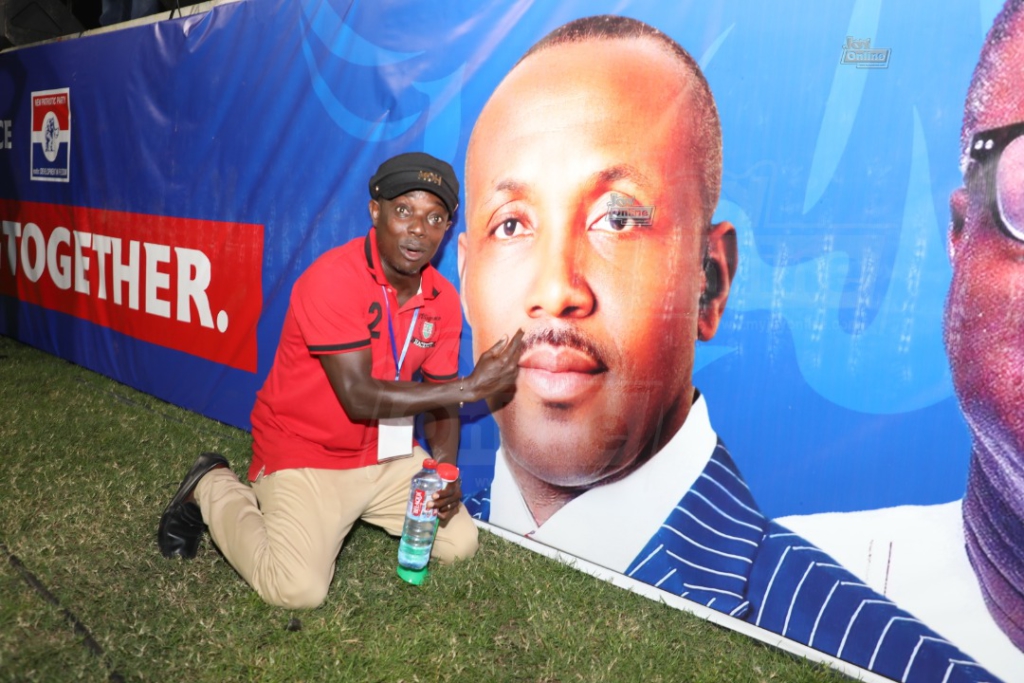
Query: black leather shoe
point(181, 524)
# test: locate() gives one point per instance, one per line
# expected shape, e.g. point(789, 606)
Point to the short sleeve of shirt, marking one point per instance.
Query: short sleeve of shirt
point(332, 308)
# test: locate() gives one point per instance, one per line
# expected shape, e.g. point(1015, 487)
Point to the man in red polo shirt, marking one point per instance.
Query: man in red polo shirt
point(332, 425)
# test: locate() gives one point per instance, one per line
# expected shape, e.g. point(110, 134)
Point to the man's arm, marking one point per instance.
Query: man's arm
point(441, 429)
point(365, 398)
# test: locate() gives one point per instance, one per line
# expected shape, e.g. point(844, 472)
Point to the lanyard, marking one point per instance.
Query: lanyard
point(399, 360)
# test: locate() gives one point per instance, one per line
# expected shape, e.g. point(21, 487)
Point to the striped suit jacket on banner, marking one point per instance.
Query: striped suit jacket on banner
point(717, 549)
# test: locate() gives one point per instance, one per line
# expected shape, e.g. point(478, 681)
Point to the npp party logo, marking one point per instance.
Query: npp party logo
point(50, 157)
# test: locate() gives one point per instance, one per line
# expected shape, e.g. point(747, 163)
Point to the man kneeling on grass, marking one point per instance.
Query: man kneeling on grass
point(332, 425)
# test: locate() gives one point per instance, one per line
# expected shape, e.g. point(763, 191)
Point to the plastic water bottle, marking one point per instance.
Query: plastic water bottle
point(420, 524)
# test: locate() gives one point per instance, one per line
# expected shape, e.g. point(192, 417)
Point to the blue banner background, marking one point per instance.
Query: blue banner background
point(827, 380)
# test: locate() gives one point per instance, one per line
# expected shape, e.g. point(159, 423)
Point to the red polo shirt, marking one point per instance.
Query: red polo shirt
point(337, 306)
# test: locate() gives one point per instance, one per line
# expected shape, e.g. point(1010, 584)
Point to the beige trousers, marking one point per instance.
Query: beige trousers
point(284, 532)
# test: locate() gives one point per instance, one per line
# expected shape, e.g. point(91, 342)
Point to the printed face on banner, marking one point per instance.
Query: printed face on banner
point(985, 319)
point(984, 312)
point(589, 197)
point(576, 140)
point(957, 565)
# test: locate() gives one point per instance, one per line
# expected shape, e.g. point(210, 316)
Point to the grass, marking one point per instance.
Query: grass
point(87, 464)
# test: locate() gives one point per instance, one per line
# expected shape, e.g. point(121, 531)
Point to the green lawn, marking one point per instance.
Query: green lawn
point(88, 464)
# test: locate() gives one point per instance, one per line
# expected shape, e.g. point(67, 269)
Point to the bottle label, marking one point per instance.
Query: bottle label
point(417, 505)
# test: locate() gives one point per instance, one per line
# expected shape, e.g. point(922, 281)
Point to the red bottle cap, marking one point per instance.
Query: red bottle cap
point(430, 464)
point(448, 472)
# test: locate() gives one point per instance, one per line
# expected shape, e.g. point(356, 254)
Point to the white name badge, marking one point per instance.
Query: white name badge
point(394, 438)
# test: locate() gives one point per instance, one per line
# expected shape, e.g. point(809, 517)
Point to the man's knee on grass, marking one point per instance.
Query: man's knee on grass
point(462, 546)
point(295, 595)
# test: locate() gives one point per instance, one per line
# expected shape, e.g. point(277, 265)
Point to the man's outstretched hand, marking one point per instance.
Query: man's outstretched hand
point(496, 371)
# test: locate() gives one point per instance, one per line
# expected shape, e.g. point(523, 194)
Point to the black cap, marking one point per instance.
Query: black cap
point(416, 171)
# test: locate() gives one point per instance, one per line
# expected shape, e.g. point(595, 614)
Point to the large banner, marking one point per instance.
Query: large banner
point(766, 256)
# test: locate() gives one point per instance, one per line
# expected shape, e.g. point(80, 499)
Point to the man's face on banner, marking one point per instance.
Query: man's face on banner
point(585, 227)
point(985, 308)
